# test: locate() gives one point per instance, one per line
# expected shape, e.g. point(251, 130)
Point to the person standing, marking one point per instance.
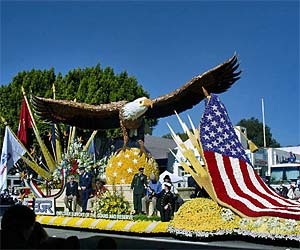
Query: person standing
point(85, 183)
point(298, 182)
point(152, 192)
point(166, 203)
point(72, 194)
point(138, 184)
point(178, 201)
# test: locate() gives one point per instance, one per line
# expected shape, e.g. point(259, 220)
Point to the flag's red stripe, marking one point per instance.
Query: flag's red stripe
point(219, 186)
point(236, 185)
point(221, 193)
point(3, 169)
point(272, 197)
point(248, 182)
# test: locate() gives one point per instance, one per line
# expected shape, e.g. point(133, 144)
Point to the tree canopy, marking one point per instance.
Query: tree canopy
point(255, 132)
point(92, 85)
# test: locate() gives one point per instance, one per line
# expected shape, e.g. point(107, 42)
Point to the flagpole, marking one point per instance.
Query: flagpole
point(32, 118)
point(14, 135)
point(48, 157)
point(263, 117)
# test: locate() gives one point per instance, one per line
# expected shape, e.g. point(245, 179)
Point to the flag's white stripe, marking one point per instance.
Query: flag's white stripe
point(236, 169)
point(232, 194)
point(237, 172)
point(261, 189)
point(35, 190)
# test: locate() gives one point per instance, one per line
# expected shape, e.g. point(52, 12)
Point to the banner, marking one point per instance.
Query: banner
point(12, 151)
point(41, 206)
point(24, 123)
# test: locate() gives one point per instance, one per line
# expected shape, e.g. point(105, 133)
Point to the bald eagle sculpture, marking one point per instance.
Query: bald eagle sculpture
point(130, 115)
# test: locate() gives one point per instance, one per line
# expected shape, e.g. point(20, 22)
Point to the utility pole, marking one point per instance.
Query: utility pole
point(264, 124)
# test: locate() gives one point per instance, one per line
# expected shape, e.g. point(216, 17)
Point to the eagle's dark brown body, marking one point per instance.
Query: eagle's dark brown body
point(106, 116)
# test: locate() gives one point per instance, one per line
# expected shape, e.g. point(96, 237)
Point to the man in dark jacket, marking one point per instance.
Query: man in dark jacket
point(71, 194)
point(166, 203)
point(85, 183)
point(139, 184)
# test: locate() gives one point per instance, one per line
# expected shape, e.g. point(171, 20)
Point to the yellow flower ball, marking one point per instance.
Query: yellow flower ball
point(121, 168)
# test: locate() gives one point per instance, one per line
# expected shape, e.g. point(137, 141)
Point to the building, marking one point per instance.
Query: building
point(160, 149)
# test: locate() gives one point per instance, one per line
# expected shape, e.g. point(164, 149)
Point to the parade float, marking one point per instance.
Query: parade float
point(240, 204)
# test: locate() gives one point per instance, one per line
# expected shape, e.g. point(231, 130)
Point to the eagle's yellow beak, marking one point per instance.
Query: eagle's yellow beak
point(148, 103)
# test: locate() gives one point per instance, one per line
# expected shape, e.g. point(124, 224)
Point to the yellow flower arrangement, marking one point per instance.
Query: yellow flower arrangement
point(112, 203)
point(122, 166)
point(203, 217)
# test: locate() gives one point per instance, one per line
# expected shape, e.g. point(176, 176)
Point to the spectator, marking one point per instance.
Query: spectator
point(283, 190)
point(297, 193)
point(292, 157)
point(166, 203)
point(138, 184)
point(72, 194)
point(106, 243)
point(38, 236)
point(298, 182)
point(291, 192)
point(71, 242)
point(178, 201)
point(85, 183)
point(16, 226)
point(152, 193)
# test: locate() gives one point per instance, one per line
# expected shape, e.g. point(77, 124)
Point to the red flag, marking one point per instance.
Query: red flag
point(24, 124)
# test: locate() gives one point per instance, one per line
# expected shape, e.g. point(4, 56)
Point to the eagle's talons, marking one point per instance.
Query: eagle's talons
point(122, 149)
point(143, 152)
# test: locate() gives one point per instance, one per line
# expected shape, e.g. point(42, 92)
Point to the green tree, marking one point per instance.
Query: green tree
point(92, 85)
point(183, 136)
point(255, 132)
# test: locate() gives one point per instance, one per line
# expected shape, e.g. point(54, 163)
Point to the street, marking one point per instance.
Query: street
point(88, 240)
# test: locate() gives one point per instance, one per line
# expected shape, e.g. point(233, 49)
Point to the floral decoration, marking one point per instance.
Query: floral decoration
point(104, 224)
point(112, 203)
point(203, 218)
point(123, 165)
point(76, 158)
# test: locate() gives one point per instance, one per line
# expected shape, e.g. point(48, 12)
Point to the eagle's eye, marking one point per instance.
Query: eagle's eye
point(141, 102)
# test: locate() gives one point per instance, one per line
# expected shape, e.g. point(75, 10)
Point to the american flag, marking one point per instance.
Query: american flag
point(234, 180)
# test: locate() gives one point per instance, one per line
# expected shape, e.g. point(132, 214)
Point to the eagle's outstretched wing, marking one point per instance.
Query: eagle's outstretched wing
point(105, 116)
point(216, 80)
point(81, 115)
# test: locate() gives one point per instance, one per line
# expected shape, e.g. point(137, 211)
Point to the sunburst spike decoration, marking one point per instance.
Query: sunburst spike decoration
point(183, 125)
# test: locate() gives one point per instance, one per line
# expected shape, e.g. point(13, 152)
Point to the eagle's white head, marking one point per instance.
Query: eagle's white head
point(135, 109)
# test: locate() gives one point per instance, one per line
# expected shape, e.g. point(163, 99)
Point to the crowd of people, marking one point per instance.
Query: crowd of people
point(163, 196)
point(20, 230)
point(291, 192)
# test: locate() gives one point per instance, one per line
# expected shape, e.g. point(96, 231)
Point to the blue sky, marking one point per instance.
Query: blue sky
point(164, 44)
